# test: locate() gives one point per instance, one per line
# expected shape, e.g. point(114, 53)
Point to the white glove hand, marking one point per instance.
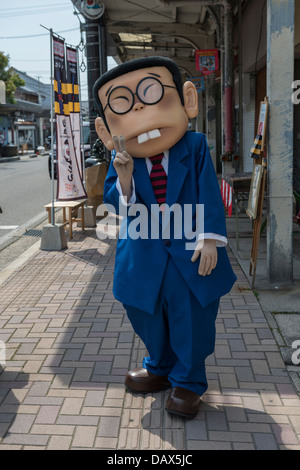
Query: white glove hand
point(209, 256)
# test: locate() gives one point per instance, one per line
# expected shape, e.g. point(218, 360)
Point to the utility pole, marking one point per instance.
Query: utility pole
point(96, 52)
point(280, 76)
point(93, 71)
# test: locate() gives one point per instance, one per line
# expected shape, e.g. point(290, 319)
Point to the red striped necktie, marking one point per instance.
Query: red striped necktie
point(158, 178)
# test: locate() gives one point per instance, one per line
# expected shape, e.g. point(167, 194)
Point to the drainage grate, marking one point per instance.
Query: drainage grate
point(32, 233)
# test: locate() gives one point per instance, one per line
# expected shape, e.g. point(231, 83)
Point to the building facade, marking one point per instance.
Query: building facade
point(259, 47)
point(26, 123)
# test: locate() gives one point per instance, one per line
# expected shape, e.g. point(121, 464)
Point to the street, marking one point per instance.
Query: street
point(25, 189)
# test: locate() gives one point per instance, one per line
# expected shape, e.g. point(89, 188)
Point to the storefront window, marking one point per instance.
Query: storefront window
point(26, 139)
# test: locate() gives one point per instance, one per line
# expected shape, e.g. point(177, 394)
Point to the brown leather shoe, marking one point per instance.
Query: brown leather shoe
point(142, 381)
point(183, 402)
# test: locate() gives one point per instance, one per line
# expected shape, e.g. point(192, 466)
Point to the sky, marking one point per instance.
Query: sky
point(28, 44)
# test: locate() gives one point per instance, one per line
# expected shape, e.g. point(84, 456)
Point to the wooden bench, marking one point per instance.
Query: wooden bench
point(73, 207)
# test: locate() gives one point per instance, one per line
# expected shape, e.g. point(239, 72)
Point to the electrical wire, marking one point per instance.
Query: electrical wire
point(47, 10)
point(38, 35)
point(53, 5)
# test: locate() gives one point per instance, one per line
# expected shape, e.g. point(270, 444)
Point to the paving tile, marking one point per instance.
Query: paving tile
point(49, 429)
point(196, 430)
point(265, 441)
point(285, 434)
point(22, 424)
point(208, 445)
point(174, 439)
point(106, 443)
point(230, 436)
point(84, 436)
point(74, 344)
point(109, 427)
point(59, 443)
point(26, 439)
point(129, 439)
point(71, 406)
point(94, 398)
point(47, 414)
point(216, 421)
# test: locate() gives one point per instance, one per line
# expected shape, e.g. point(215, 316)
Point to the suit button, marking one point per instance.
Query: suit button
point(167, 243)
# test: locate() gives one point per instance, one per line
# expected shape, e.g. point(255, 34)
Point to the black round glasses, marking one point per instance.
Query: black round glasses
point(149, 91)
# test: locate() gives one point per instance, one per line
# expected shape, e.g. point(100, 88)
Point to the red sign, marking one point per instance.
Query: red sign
point(207, 61)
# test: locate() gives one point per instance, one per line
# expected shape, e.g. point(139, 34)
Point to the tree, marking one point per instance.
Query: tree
point(11, 79)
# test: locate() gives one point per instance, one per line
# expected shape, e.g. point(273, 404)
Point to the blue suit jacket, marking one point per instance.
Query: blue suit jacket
point(140, 263)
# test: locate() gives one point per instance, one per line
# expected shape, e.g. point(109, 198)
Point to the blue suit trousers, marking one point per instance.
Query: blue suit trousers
point(180, 335)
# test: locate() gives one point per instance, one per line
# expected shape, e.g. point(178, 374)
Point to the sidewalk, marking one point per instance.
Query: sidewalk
point(69, 346)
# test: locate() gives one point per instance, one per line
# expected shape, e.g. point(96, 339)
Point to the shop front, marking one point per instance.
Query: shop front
point(26, 136)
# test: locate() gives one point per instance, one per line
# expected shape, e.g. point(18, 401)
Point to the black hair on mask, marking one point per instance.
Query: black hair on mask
point(137, 64)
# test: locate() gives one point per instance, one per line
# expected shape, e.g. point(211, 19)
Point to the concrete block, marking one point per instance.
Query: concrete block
point(89, 217)
point(53, 238)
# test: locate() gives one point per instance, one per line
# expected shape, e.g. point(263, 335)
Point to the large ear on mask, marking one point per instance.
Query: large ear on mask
point(190, 100)
point(103, 133)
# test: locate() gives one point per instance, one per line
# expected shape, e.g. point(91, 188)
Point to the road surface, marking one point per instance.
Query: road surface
point(25, 187)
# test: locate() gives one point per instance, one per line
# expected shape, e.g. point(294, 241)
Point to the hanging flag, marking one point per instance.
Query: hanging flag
point(69, 179)
point(207, 61)
point(199, 83)
point(74, 103)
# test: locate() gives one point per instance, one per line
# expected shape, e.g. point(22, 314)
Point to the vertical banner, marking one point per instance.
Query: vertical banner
point(74, 103)
point(69, 179)
point(207, 61)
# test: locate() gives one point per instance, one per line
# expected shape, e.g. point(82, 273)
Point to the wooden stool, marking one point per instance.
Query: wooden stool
point(72, 206)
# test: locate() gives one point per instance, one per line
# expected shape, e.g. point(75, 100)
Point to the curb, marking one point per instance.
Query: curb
point(9, 159)
point(22, 157)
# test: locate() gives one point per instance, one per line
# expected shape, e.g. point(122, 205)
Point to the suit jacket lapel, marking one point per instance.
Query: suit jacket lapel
point(177, 171)
point(142, 181)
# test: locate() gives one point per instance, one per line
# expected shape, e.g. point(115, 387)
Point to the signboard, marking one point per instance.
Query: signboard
point(69, 177)
point(74, 103)
point(254, 191)
point(92, 9)
point(207, 61)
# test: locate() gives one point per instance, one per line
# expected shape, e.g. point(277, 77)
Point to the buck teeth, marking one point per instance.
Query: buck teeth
point(154, 134)
point(143, 138)
point(148, 135)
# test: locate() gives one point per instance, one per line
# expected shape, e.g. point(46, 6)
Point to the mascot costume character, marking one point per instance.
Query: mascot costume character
point(162, 171)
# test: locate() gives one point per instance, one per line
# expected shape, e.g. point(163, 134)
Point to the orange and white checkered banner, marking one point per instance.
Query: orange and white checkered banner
point(69, 177)
point(226, 191)
point(256, 150)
